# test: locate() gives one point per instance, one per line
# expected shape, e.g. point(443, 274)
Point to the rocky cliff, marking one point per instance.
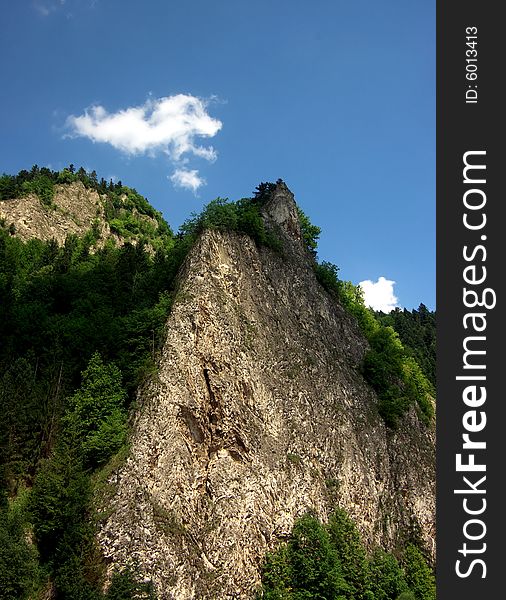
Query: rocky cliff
point(258, 413)
point(75, 209)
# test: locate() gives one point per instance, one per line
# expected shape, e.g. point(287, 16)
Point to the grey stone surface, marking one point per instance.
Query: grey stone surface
point(257, 414)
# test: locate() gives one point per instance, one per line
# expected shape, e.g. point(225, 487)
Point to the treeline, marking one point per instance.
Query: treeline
point(60, 305)
point(417, 332)
point(41, 181)
point(330, 562)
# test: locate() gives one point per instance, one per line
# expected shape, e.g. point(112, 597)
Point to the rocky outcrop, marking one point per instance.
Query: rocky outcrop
point(257, 414)
point(73, 210)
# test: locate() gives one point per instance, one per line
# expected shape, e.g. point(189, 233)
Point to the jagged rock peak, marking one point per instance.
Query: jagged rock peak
point(281, 209)
point(258, 413)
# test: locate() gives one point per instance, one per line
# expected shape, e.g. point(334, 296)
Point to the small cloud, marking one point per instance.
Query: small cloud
point(187, 179)
point(379, 295)
point(170, 124)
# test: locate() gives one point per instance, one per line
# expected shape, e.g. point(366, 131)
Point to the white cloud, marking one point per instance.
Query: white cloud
point(169, 124)
point(379, 295)
point(187, 179)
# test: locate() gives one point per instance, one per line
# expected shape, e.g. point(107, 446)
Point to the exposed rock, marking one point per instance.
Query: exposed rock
point(258, 413)
point(75, 210)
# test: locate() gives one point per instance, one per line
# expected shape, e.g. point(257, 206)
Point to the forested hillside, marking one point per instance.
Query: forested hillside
point(117, 211)
point(417, 332)
point(81, 327)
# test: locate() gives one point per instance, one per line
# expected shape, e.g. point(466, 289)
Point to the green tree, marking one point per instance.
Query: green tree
point(8, 187)
point(243, 216)
point(19, 569)
point(310, 232)
point(419, 575)
point(22, 423)
point(42, 186)
point(125, 586)
point(58, 504)
point(315, 566)
point(306, 568)
point(387, 579)
point(383, 368)
point(276, 575)
point(264, 190)
point(96, 415)
point(345, 539)
point(417, 332)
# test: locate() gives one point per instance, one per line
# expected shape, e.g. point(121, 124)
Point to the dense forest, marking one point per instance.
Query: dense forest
point(330, 561)
point(417, 331)
point(80, 329)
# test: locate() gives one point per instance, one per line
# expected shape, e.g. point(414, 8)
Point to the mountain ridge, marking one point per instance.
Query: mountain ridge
point(254, 409)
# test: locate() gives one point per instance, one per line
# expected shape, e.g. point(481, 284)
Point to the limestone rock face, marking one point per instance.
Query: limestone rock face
point(258, 413)
point(73, 210)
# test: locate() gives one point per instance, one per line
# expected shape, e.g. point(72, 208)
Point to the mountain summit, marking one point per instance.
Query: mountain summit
point(258, 413)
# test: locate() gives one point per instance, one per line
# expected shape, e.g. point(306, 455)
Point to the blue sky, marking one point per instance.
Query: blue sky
point(187, 101)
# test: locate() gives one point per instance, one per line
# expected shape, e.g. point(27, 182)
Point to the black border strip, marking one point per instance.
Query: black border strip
point(464, 126)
